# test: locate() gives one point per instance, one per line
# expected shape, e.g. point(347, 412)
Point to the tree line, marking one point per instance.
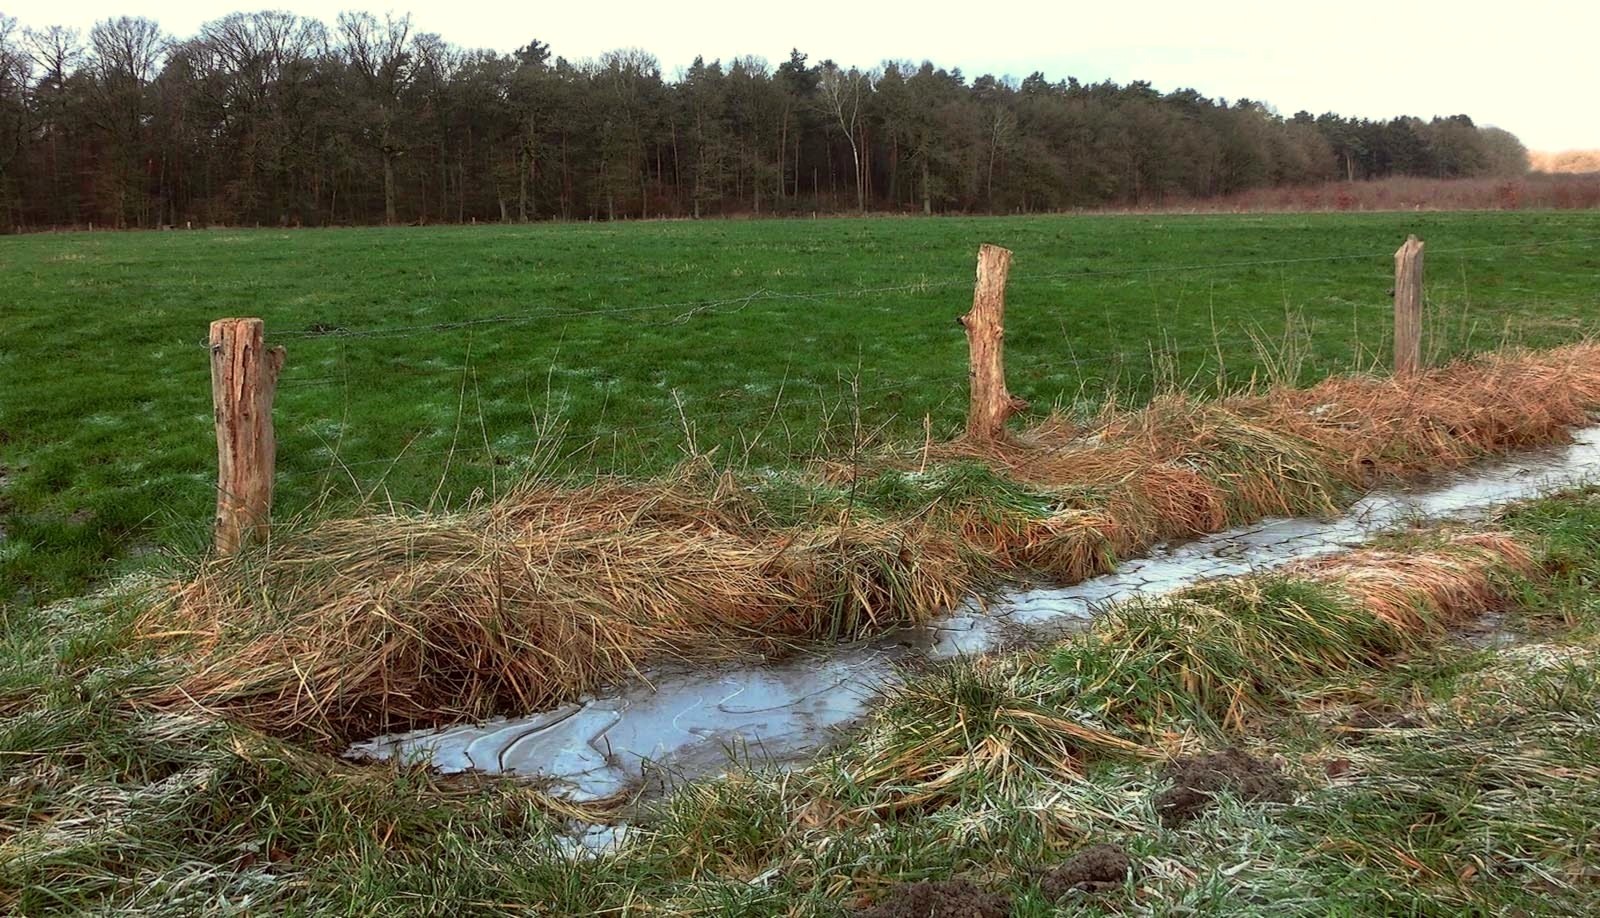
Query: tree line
point(277, 119)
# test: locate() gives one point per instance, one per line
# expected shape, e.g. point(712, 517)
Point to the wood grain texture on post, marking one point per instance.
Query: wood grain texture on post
point(244, 380)
point(991, 403)
point(1408, 307)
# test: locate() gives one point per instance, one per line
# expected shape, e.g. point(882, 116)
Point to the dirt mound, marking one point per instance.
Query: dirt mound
point(939, 899)
point(1198, 779)
point(1098, 869)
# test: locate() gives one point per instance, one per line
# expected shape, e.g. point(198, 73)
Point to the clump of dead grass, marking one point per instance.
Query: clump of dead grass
point(1426, 591)
point(1380, 427)
point(986, 723)
point(1182, 466)
point(372, 623)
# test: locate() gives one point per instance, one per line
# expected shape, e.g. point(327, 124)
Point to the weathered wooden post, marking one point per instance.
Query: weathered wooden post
point(244, 379)
point(990, 404)
point(1408, 307)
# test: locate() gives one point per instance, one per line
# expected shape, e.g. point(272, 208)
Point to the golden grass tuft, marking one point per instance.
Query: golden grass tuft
point(1379, 427)
point(1067, 546)
point(859, 576)
point(1428, 590)
point(1182, 467)
point(986, 723)
point(346, 627)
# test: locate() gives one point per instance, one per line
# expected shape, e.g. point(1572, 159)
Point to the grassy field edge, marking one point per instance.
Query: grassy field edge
point(352, 626)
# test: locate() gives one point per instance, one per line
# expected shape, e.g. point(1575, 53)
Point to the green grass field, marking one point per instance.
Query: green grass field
point(430, 364)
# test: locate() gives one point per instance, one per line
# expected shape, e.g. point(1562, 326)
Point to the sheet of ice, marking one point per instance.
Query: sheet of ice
point(691, 722)
point(683, 722)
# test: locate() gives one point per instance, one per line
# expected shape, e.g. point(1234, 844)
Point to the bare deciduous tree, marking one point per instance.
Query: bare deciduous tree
point(381, 57)
point(124, 58)
point(844, 97)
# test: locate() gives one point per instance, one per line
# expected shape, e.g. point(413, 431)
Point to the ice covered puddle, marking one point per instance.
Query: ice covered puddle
point(692, 722)
point(689, 722)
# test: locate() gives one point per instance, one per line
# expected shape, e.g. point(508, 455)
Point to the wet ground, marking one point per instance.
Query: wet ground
point(688, 723)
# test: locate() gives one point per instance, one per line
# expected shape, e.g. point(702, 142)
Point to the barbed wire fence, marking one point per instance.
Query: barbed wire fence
point(848, 390)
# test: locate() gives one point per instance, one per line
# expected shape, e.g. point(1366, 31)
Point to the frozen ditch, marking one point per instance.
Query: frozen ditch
point(687, 722)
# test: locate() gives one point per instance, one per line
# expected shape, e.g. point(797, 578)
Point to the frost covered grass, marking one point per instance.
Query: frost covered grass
point(1439, 774)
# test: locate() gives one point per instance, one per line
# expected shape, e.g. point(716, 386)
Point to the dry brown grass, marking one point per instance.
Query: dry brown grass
point(1376, 428)
point(1422, 592)
point(1578, 162)
point(357, 625)
point(1573, 188)
point(1183, 467)
point(348, 627)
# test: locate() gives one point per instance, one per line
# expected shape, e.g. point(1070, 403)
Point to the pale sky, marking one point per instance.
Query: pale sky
point(1530, 67)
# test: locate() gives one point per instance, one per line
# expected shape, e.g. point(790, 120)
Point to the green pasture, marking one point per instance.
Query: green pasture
point(429, 365)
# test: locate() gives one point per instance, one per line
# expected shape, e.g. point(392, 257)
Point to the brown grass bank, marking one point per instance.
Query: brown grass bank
point(1572, 162)
point(1555, 190)
point(346, 627)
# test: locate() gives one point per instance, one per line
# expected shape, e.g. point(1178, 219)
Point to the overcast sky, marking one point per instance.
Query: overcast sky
point(1530, 67)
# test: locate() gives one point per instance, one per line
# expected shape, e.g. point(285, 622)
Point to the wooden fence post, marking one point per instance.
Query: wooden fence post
point(244, 379)
point(990, 404)
point(1408, 307)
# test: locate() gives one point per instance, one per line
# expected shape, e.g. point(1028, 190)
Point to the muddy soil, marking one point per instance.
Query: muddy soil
point(1093, 870)
point(1196, 780)
point(938, 899)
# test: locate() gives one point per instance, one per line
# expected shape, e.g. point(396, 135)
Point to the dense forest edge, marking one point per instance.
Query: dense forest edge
point(276, 119)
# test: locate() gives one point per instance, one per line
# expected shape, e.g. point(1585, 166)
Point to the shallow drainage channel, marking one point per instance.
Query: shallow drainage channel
point(688, 722)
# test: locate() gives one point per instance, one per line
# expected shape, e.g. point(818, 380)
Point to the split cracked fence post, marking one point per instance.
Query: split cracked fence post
point(1408, 307)
point(990, 403)
point(244, 380)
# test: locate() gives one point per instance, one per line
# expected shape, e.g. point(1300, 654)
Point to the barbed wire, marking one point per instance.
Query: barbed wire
point(845, 384)
point(1257, 340)
point(1465, 250)
point(843, 380)
point(702, 422)
point(693, 308)
point(681, 421)
point(1248, 346)
point(409, 371)
point(1274, 262)
point(1231, 344)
